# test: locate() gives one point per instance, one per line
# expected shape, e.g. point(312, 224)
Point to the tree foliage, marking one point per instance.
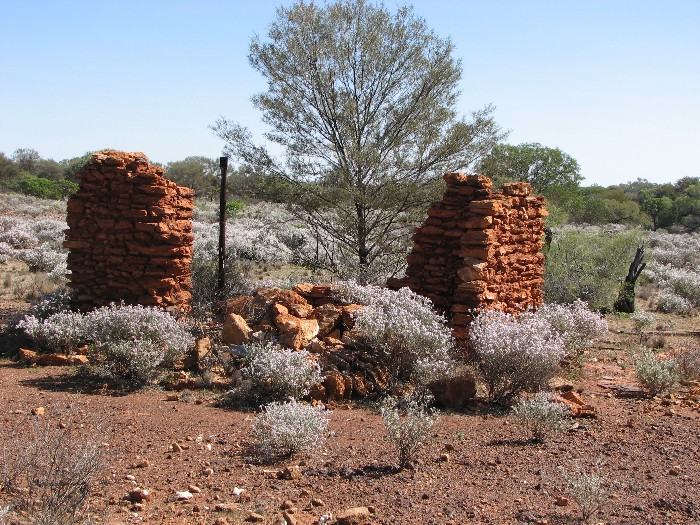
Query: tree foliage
point(544, 168)
point(363, 104)
point(196, 172)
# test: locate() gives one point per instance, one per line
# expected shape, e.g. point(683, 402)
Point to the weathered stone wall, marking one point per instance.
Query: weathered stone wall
point(479, 250)
point(130, 234)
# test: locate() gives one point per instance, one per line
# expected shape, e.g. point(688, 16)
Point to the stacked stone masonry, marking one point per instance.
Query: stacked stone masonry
point(478, 250)
point(130, 234)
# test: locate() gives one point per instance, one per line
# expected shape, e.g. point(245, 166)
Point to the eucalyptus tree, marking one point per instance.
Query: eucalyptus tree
point(362, 106)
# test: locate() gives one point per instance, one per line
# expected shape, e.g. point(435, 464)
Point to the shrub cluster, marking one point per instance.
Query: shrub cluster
point(575, 323)
point(588, 264)
point(59, 332)
point(128, 343)
point(688, 360)
point(656, 375)
point(286, 428)
point(131, 342)
point(273, 373)
point(416, 341)
point(515, 354)
point(408, 423)
point(541, 415)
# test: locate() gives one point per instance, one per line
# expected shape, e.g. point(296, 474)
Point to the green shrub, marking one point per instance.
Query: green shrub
point(587, 487)
point(588, 264)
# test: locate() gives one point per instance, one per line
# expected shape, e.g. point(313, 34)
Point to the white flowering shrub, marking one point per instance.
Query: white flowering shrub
point(675, 267)
point(19, 238)
point(681, 282)
point(52, 303)
point(43, 259)
point(415, 341)
point(671, 303)
point(60, 332)
point(50, 233)
point(575, 323)
point(276, 373)
point(656, 375)
point(409, 424)
point(27, 205)
point(130, 343)
point(283, 429)
point(515, 354)
point(541, 415)
point(586, 486)
point(6, 252)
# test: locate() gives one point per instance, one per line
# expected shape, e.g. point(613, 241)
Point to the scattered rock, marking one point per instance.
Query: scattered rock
point(236, 330)
point(254, 517)
point(561, 501)
point(38, 411)
point(183, 495)
point(25, 356)
point(138, 495)
point(51, 360)
point(353, 516)
point(290, 473)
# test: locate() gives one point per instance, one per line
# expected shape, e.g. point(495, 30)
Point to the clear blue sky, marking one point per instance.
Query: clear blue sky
point(614, 83)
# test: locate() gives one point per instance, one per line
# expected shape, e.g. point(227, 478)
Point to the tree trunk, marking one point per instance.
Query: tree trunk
point(362, 251)
point(625, 299)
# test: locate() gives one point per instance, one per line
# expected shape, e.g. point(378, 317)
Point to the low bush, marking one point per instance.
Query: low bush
point(130, 343)
point(575, 323)
point(588, 264)
point(59, 332)
point(42, 259)
point(408, 423)
point(541, 415)
point(287, 428)
point(415, 341)
point(587, 487)
point(50, 479)
point(273, 373)
point(671, 303)
point(656, 375)
point(688, 361)
point(515, 354)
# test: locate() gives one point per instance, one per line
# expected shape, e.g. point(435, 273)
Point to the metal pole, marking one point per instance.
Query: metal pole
point(223, 164)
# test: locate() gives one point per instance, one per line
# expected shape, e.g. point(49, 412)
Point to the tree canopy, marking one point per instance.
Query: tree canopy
point(363, 104)
point(541, 166)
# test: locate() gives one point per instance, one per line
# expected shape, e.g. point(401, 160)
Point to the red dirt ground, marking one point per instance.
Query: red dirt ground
point(648, 448)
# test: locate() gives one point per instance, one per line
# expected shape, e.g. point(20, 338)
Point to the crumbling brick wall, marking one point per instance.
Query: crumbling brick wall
point(130, 234)
point(479, 250)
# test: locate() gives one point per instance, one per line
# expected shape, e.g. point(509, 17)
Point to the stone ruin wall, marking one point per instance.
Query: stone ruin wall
point(130, 234)
point(479, 250)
